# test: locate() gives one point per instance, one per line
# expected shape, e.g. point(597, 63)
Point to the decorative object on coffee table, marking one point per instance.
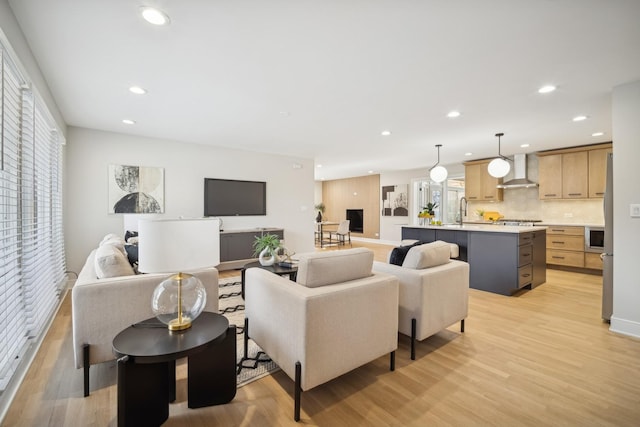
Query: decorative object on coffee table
point(167, 246)
point(265, 247)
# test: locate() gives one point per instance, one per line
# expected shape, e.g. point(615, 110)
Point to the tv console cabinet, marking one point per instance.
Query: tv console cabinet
point(236, 246)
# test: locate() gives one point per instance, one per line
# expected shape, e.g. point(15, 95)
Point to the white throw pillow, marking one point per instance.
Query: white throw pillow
point(110, 262)
point(114, 240)
point(427, 255)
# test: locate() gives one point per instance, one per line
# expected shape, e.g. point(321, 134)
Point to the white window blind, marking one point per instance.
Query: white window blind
point(32, 264)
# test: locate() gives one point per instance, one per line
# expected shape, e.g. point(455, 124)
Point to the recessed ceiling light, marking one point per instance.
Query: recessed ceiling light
point(468, 154)
point(547, 89)
point(453, 114)
point(579, 118)
point(524, 145)
point(318, 166)
point(137, 90)
point(385, 133)
point(597, 134)
point(370, 172)
point(154, 16)
point(128, 122)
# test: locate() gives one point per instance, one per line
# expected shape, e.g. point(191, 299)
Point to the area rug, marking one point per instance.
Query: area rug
point(231, 305)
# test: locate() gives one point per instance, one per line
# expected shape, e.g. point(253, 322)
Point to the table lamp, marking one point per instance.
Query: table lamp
point(177, 246)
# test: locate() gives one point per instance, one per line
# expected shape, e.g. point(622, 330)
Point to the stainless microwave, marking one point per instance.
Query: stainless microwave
point(594, 239)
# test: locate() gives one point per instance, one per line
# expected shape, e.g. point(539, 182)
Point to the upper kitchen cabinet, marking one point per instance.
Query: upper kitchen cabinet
point(597, 171)
point(479, 185)
point(550, 176)
point(573, 173)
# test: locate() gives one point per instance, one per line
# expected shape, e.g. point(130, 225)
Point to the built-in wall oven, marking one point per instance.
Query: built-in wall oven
point(594, 239)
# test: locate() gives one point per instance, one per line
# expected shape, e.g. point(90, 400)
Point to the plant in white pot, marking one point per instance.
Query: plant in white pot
point(265, 247)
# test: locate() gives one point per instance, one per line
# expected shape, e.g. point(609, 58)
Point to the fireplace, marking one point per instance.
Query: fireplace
point(356, 220)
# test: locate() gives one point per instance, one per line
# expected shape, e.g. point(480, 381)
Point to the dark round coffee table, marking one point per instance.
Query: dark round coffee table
point(147, 354)
point(275, 269)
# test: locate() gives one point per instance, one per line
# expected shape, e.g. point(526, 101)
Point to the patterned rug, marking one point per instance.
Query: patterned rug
point(231, 305)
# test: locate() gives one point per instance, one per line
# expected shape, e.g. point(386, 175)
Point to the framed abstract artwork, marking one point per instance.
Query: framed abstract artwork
point(395, 201)
point(136, 189)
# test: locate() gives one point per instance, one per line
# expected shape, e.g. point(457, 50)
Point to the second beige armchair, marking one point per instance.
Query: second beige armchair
point(434, 290)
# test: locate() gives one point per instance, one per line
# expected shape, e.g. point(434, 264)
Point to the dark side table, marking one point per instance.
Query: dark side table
point(147, 354)
point(275, 269)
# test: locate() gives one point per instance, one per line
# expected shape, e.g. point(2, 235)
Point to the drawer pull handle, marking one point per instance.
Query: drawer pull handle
point(558, 230)
point(526, 275)
point(557, 257)
point(558, 243)
point(526, 254)
point(599, 193)
point(575, 194)
point(551, 195)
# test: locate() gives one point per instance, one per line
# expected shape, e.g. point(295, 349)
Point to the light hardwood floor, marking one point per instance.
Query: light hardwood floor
point(541, 358)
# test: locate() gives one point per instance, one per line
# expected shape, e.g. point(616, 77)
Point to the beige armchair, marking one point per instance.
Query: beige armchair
point(337, 316)
point(434, 290)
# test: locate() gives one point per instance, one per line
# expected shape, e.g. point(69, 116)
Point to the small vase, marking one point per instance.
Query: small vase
point(266, 257)
point(319, 217)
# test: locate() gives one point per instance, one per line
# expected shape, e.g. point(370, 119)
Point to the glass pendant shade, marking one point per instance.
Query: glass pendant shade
point(178, 300)
point(499, 168)
point(438, 174)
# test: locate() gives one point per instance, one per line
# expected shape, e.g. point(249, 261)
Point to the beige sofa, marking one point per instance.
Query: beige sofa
point(102, 307)
point(433, 290)
point(337, 316)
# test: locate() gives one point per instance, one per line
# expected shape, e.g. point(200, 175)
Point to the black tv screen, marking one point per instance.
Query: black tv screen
point(227, 197)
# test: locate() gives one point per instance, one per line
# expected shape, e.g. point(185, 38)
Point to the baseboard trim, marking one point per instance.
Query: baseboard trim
point(625, 327)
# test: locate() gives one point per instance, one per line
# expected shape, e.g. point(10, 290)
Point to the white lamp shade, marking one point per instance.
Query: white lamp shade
point(178, 245)
point(438, 174)
point(498, 168)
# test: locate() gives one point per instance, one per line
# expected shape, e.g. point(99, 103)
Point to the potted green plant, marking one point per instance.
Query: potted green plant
point(320, 208)
point(264, 247)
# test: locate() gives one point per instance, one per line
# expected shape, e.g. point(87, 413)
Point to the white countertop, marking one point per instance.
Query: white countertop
point(489, 228)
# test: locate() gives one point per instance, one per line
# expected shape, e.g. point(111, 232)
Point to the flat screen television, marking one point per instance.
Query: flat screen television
point(228, 197)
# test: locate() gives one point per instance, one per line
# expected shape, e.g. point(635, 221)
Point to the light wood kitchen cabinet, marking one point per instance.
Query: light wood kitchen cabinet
point(573, 173)
point(597, 171)
point(592, 260)
point(479, 185)
point(565, 246)
point(550, 177)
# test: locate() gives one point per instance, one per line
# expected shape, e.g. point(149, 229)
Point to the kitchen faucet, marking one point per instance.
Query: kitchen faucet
point(463, 199)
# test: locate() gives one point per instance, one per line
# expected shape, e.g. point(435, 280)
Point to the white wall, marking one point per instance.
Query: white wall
point(10, 31)
point(290, 192)
point(626, 232)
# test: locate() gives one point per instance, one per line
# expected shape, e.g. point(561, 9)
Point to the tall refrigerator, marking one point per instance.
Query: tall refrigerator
point(607, 256)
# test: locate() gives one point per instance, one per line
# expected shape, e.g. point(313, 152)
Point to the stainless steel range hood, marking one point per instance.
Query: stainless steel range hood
point(519, 174)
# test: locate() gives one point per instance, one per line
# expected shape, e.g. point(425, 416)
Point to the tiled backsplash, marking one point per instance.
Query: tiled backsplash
point(523, 203)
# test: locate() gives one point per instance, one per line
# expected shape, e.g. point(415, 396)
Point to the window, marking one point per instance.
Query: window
point(32, 267)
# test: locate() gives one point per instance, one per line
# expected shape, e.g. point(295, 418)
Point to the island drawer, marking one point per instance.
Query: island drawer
point(569, 243)
point(525, 254)
point(525, 275)
point(571, 259)
point(525, 238)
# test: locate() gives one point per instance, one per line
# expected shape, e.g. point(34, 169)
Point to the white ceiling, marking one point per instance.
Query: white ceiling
point(322, 78)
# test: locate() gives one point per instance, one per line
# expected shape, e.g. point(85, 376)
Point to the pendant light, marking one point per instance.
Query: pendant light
point(438, 173)
point(499, 167)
